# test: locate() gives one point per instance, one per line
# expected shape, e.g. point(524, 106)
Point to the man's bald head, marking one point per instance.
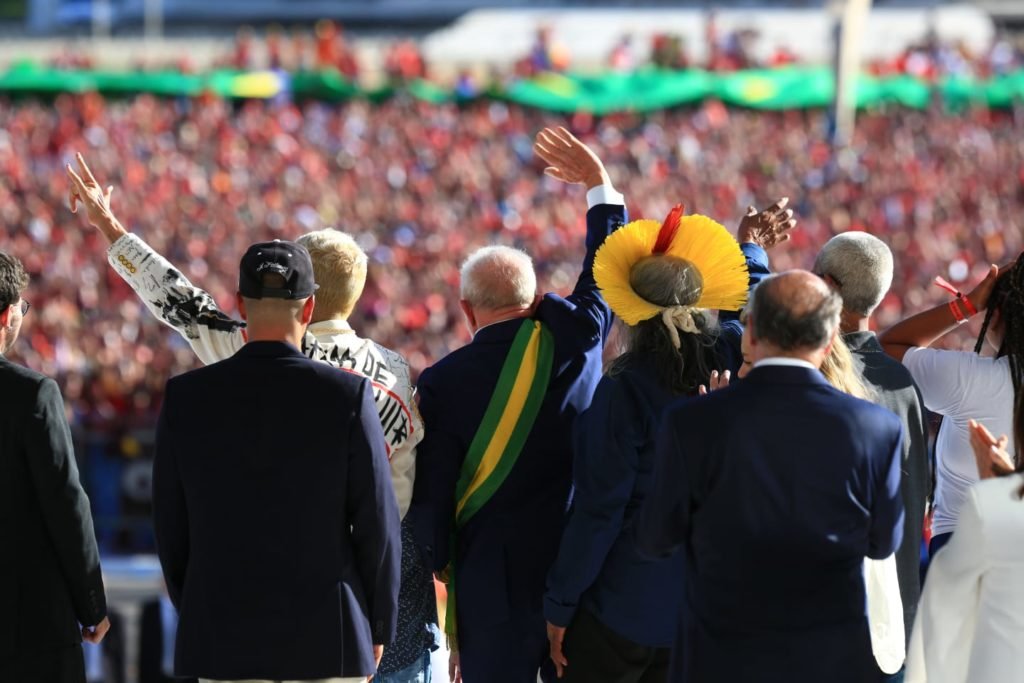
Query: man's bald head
point(795, 311)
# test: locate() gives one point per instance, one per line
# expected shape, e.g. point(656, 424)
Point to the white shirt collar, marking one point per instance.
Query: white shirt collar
point(786, 362)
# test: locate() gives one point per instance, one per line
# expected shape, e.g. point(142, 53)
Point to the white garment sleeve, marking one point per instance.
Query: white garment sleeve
point(604, 194)
point(943, 636)
point(174, 300)
point(944, 377)
point(403, 458)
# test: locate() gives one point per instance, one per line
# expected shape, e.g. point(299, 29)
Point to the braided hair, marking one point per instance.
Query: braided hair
point(1008, 299)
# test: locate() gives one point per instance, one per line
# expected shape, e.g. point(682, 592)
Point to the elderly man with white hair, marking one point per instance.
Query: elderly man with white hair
point(860, 267)
point(495, 467)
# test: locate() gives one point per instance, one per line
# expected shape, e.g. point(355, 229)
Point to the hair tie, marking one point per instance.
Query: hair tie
point(678, 318)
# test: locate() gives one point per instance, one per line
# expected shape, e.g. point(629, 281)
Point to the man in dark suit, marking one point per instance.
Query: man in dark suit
point(502, 554)
point(51, 588)
point(276, 524)
point(859, 266)
point(777, 512)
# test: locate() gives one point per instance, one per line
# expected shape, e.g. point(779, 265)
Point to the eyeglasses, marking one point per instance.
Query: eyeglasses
point(25, 306)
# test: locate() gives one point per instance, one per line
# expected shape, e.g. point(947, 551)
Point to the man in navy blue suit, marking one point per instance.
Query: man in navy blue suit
point(276, 522)
point(778, 487)
point(500, 554)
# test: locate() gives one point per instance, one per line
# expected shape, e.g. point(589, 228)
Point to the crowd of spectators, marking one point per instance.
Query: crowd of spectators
point(420, 185)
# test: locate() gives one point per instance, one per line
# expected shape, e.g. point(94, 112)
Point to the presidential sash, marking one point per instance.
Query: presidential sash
point(510, 415)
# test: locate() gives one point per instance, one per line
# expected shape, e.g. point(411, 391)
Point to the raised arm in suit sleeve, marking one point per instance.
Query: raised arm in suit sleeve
point(728, 347)
point(664, 521)
point(373, 517)
point(604, 471)
point(170, 514)
point(887, 512)
point(438, 463)
point(212, 334)
point(947, 616)
point(606, 214)
point(65, 507)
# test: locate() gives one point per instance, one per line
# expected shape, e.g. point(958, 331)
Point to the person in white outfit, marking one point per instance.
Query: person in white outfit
point(960, 385)
point(970, 625)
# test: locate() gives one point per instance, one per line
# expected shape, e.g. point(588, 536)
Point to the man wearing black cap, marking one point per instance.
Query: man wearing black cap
point(276, 523)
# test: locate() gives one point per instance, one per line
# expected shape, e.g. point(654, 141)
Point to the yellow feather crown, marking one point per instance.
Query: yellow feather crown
point(701, 241)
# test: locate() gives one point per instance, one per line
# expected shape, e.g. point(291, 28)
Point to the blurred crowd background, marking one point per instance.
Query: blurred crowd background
point(421, 184)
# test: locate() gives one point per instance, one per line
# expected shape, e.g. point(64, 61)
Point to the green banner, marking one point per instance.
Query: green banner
point(644, 90)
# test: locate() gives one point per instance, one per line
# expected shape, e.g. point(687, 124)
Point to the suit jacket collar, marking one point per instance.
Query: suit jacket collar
point(863, 342)
point(785, 374)
point(495, 333)
point(269, 349)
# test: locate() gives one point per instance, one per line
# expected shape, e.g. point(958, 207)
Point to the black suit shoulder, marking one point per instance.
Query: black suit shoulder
point(21, 382)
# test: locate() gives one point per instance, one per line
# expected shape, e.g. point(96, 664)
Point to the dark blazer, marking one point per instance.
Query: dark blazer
point(778, 487)
point(505, 550)
point(276, 523)
point(895, 389)
point(50, 580)
point(151, 646)
point(598, 565)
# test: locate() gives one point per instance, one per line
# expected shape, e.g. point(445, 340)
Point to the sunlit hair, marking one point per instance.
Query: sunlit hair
point(498, 277)
point(861, 266)
point(339, 267)
point(841, 372)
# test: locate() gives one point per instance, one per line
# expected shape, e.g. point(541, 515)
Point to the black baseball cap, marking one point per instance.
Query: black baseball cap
point(287, 259)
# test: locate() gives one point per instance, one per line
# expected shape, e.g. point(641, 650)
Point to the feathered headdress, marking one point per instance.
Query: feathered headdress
point(707, 245)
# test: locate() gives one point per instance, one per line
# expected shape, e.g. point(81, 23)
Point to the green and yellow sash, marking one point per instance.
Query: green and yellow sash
point(499, 440)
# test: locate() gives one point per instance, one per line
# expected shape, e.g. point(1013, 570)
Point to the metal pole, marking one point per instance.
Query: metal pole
point(154, 19)
point(851, 31)
point(100, 19)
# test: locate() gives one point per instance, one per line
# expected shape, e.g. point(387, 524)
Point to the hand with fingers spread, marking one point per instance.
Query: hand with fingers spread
point(717, 381)
point(767, 228)
point(568, 159)
point(989, 452)
point(86, 191)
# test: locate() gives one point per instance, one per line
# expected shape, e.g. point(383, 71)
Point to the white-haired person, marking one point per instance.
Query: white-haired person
point(340, 270)
point(970, 626)
point(859, 266)
point(495, 468)
point(960, 385)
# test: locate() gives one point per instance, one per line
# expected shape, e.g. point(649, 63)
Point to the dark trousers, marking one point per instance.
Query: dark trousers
point(510, 652)
point(596, 654)
point(938, 540)
point(59, 666)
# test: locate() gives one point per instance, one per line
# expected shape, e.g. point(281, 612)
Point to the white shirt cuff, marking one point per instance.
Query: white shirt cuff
point(604, 194)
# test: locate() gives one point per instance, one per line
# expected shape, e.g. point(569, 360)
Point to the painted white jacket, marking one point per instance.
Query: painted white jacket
point(214, 336)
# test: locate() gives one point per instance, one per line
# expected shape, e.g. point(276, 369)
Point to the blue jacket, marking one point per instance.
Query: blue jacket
point(506, 549)
point(777, 487)
point(276, 522)
point(598, 564)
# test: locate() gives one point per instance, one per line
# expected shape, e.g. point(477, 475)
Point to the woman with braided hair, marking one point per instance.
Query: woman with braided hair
point(961, 386)
point(612, 613)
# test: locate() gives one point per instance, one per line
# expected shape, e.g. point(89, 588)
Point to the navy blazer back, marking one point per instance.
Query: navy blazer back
point(506, 549)
point(778, 486)
point(276, 522)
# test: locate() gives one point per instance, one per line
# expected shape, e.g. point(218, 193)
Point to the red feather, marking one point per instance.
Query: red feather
point(668, 230)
